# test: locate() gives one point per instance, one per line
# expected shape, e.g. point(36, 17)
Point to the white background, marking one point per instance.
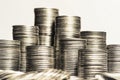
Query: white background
point(97, 15)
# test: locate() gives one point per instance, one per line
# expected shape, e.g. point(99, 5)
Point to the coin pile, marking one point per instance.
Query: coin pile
point(39, 58)
point(113, 58)
point(94, 57)
point(45, 20)
point(66, 27)
point(49, 74)
point(9, 54)
point(28, 35)
point(69, 48)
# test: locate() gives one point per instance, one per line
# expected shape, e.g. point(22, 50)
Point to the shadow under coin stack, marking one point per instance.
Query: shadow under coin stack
point(94, 57)
point(9, 54)
point(45, 20)
point(66, 27)
point(28, 35)
point(40, 58)
point(113, 58)
point(69, 48)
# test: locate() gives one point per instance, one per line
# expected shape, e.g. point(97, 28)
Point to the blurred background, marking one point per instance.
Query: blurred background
point(96, 15)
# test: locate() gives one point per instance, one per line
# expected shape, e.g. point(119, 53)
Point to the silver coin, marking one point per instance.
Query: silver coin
point(68, 19)
point(96, 34)
point(44, 20)
point(45, 40)
point(95, 50)
point(9, 42)
point(68, 26)
point(46, 12)
point(113, 47)
point(63, 31)
point(96, 46)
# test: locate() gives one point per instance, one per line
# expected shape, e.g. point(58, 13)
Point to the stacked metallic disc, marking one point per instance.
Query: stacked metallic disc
point(113, 58)
point(69, 48)
point(40, 58)
point(66, 27)
point(48, 74)
point(28, 35)
point(45, 20)
point(94, 57)
point(9, 54)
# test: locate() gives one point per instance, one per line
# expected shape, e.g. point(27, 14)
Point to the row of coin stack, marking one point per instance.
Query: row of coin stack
point(56, 42)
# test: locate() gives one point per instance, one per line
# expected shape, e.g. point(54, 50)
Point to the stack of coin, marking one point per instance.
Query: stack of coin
point(66, 27)
point(40, 57)
point(9, 54)
point(69, 48)
point(28, 35)
point(45, 20)
point(94, 57)
point(113, 58)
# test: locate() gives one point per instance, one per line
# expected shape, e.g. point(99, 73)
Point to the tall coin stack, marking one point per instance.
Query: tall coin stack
point(69, 54)
point(94, 57)
point(66, 27)
point(40, 58)
point(45, 20)
point(114, 58)
point(9, 54)
point(28, 35)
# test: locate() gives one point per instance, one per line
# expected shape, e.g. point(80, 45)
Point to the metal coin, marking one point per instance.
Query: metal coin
point(96, 34)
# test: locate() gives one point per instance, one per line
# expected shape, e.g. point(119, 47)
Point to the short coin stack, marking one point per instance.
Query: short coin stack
point(69, 54)
point(113, 58)
point(9, 54)
point(66, 27)
point(45, 20)
point(28, 35)
point(40, 58)
point(94, 57)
